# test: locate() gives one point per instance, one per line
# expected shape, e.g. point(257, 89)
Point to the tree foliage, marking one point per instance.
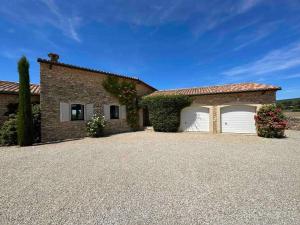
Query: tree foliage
point(25, 131)
point(289, 104)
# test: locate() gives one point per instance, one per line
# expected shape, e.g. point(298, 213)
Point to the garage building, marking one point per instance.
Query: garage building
point(223, 109)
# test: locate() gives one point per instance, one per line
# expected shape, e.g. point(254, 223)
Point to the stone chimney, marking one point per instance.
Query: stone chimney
point(53, 57)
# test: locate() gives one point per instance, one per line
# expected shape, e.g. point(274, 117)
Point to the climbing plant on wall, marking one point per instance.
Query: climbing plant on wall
point(126, 93)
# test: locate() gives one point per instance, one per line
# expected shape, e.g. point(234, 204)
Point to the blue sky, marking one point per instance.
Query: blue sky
point(169, 44)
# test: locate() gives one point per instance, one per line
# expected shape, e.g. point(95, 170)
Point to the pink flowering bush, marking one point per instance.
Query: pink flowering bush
point(270, 122)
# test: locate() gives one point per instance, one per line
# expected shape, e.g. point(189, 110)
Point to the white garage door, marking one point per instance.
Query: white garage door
point(238, 119)
point(194, 119)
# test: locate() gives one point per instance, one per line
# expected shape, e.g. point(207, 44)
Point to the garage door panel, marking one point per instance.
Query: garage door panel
point(195, 119)
point(238, 119)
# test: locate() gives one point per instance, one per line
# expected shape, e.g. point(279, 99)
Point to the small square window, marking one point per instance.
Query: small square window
point(77, 112)
point(114, 112)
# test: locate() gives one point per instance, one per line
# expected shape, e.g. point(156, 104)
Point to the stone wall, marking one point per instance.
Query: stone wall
point(255, 97)
point(71, 85)
point(6, 99)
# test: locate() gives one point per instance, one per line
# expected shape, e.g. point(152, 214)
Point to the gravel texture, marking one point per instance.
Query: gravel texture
point(153, 178)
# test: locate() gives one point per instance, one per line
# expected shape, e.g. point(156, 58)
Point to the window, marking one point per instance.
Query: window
point(114, 112)
point(77, 112)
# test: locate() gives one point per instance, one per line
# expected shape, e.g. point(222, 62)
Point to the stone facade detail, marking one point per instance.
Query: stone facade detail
point(7, 98)
point(73, 85)
point(255, 97)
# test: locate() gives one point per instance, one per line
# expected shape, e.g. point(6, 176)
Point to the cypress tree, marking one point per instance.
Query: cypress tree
point(25, 132)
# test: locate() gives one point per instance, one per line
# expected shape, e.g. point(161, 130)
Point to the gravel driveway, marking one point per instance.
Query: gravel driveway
point(153, 178)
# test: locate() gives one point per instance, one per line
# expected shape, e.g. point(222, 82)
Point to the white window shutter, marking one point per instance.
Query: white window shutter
point(122, 112)
point(106, 112)
point(89, 111)
point(64, 112)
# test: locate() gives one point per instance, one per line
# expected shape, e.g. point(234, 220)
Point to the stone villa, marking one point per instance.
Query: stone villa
point(69, 95)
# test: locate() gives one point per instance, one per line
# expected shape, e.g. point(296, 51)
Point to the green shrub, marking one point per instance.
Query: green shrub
point(36, 121)
point(8, 131)
point(270, 122)
point(164, 111)
point(96, 126)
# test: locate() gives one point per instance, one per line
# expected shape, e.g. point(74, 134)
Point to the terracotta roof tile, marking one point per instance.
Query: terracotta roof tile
point(228, 88)
point(13, 87)
point(94, 70)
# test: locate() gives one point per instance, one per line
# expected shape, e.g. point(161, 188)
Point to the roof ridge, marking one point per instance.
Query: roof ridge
point(15, 82)
point(13, 87)
point(87, 68)
point(220, 85)
point(217, 89)
point(94, 70)
point(6, 81)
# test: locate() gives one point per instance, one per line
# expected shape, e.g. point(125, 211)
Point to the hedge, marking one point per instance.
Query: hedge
point(164, 111)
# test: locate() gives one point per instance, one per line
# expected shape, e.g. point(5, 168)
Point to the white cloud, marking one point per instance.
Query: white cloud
point(200, 16)
point(276, 60)
point(41, 14)
point(258, 34)
point(221, 12)
point(247, 4)
point(15, 53)
point(292, 76)
point(67, 25)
